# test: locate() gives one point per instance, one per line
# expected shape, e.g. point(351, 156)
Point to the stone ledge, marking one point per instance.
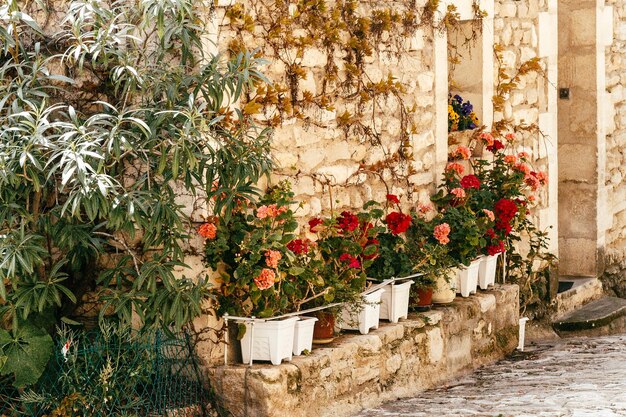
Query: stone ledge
point(397, 360)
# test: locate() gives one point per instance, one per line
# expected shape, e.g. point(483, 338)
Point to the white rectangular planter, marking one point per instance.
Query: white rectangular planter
point(487, 271)
point(467, 279)
point(395, 301)
point(365, 319)
point(303, 336)
point(268, 340)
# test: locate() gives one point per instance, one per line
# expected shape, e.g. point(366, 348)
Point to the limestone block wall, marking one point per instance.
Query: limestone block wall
point(525, 30)
point(325, 165)
point(397, 360)
point(615, 121)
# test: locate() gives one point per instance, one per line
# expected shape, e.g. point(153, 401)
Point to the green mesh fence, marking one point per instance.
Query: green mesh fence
point(113, 373)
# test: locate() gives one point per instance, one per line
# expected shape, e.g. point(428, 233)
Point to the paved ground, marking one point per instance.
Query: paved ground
point(583, 377)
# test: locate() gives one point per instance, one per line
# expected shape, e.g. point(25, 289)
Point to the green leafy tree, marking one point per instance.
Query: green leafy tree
point(105, 122)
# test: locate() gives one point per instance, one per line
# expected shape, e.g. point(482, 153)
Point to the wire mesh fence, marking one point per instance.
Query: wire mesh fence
point(113, 372)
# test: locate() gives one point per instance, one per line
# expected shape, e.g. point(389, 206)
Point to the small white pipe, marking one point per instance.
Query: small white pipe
point(252, 340)
point(504, 267)
point(522, 333)
point(226, 339)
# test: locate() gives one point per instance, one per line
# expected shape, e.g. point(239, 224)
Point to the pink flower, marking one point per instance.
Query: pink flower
point(523, 155)
point(262, 212)
point(458, 193)
point(510, 137)
point(532, 182)
point(510, 159)
point(522, 167)
point(456, 167)
point(542, 177)
point(424, 208)
point(266, 279)
point(441, 233)
point(462, 151)
point(271, 211)
point(487, 138)
point(489, 214)
point(272, 257)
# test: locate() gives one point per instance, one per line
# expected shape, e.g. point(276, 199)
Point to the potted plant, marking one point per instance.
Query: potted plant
point(393, 261)
point(251, 253)
point(509, 183)
point(456, 201)
point(345, 247)
point(463, 124)
point(428, 240)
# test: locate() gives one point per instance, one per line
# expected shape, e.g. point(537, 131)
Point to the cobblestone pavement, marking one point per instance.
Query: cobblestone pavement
point(583, 377)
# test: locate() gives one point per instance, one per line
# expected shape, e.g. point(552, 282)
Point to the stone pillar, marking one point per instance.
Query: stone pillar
point(581, 138)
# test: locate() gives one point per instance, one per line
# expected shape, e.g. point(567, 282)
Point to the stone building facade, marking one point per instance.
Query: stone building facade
point(578, 104)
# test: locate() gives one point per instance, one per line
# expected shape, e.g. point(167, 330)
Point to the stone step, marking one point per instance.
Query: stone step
point(583, 290)
point(603, 316)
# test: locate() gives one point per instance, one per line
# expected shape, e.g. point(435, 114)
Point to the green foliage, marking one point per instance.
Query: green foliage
point(26, 351)
point(251, 251)
point(104, 125)
point(111, 372)
point(392, 259)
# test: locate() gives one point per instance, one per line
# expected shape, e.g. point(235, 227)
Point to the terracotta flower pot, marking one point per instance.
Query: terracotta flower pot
point(424, 299)
point(324, 329)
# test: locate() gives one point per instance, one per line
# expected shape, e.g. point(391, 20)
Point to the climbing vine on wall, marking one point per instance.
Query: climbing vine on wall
point(347, 35)
point(532, 267)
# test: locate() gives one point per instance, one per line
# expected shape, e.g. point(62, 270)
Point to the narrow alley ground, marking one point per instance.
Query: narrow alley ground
point(582, 377)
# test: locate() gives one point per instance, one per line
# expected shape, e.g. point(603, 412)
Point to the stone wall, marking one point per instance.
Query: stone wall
point(615, 261)
point(397, 360)
point(329, 169)
point(525, 30)
point(326, 167)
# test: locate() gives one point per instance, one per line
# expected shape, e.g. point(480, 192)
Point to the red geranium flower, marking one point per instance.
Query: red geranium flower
point(504, 225)
point(398, 222)
point(497, 145)
point(494, 249)
point(298, 246)
point(313, 223)
point(352, 261)
point(348, 221)
point(505, 209)
point(470, 181)
point(393, 198)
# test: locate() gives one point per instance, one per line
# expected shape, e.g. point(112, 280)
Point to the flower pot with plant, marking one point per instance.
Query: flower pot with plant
point(463, 125)
point(393, 261)
point(364, 315)
point(422, 294)
point(428, 240)
point(345, 246)
point(257, 276)
point(458, 200)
